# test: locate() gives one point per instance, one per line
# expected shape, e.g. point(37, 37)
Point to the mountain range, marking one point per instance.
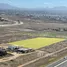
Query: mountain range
point(7, 6)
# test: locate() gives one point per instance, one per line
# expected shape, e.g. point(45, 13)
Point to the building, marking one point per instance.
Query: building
point(22, 50)
point(12, 48)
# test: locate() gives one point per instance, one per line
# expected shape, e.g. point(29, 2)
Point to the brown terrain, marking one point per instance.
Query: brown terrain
point(31, 29)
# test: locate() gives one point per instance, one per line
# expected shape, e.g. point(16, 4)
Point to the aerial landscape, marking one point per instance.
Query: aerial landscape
point(33, 33)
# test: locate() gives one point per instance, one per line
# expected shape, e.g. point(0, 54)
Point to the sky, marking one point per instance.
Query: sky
point(35, 3)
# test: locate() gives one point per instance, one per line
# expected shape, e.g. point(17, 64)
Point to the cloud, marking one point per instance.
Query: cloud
point(47, 3)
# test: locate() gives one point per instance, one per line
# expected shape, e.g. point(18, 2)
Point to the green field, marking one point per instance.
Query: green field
point(36, 43)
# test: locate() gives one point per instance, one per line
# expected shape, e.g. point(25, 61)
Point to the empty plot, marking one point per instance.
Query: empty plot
point(36, 43)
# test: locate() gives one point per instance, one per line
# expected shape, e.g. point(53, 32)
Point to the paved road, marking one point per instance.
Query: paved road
point(60, 63)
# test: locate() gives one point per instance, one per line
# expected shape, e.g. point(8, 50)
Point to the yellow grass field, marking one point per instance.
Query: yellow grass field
point(36, 43)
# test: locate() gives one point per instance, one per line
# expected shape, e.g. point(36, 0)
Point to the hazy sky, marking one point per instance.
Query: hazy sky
point(35, 3)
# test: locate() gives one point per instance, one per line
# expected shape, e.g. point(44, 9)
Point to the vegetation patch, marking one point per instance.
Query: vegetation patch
point(36, 43)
